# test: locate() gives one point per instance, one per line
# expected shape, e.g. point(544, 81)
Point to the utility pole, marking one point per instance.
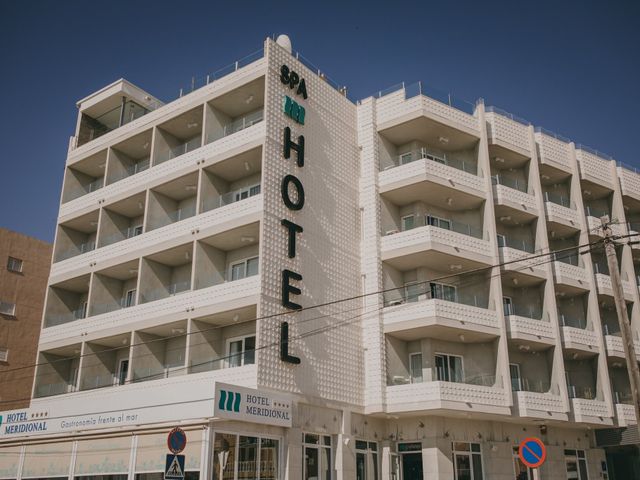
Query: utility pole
point(623, 317)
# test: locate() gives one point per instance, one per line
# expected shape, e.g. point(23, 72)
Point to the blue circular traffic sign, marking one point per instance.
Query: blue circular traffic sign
point(177, 440)
point(532, 452)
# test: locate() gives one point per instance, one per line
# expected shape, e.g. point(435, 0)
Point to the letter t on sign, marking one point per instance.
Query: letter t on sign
point(292, 229)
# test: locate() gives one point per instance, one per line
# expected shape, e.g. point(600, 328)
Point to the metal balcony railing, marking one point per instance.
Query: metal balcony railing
point(514, 183)
point(420, 292)
point(571, 321)
point(446, 224)
point(444, 158)
point(229, 198)
point(168, 291)
point(528, 311)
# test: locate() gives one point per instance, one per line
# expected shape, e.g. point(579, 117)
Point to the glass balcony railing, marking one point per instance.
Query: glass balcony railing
point(133, 169)
point(61, 318)
point(168, 291)
point(481, 380)
point(513, 183)
point(601, 266)
point(158, 372)
point(633, 226)
point(558, 199)
point(179, 150)
point(568, 257)
point(443, 158)
point(98, 381)
point(182, 213)
point(79, 250)
point(524, 384)
point(597, 212)
point(516, 243)
point(52, 389)
point(416, 221)
point(611, 328)
point(587, 393)
point(528, 311)
point(418, 292)
point(229, 198)
point(625, 398)
point(237, 125)
point(573, 321)
point(100, 308)
point(119, 236)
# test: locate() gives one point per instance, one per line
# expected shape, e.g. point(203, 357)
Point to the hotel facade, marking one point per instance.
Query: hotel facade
point(320, 289)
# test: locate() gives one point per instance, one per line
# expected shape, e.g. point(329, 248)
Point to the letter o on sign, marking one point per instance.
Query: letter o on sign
point(284, 188)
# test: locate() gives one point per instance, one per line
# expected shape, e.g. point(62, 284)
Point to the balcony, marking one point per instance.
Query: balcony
point(57, 371)
point(420, 168)
point(595, 412)
point(629, 181)
point(122, 220)
point(172, 202)
point(508, 131)
point(603, 282)
point(568, 272)
point(450, 239)
point(165, 274)
point(577, 338)
point(447, 396)
point(540, 405)
point(553, 149)
point(67, 301)
point(561, 211)
point(106, 362)
point(421, 311)
point(614, 345)
point(129, 157)
point(528, 326)
point(512, 193)
point(114, 288)
point(159, 352)
point(180, 135)
point(84, 176)
point(76, 237)
point(594, 168)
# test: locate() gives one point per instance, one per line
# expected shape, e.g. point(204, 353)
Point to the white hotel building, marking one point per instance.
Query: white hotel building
point(165, 297)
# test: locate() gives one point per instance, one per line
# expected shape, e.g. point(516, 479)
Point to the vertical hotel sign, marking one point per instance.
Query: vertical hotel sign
point(292, 192)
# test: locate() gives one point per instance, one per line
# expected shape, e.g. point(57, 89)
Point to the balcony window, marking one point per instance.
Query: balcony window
point(443, 292)
point(415, 367)
point(317, 456)
point(449, 368)
point(467, 461)
point(576, 463)
point(366, 460)
point(14, 265)
point(244, 268)
point(129, 299)
point(122, 372)
point(408, 222)
point(241, 351)
point(439, 222)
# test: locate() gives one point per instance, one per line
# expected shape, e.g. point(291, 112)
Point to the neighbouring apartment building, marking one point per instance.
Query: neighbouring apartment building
point(320, 289)
point(24, 271)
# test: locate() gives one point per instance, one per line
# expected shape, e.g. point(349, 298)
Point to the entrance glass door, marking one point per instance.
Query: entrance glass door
point(412, 466)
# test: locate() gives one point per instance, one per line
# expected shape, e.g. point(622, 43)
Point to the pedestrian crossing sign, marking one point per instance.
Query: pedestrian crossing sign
point(174, 468)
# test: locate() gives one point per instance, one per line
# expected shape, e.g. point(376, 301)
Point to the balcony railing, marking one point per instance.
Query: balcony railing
point(587, 393)
point(182, 213)
point(623, 397)
point(61, 318)
point(443, 158)
point(229, 198)
point(98, 381)
point(132, 169)
point(100, 308)
point(420, 292)
point(123, 235)
point(446, 224)
point(524, 384)
point(527, 311)
point(571, 321)
point(158, 372)
point(568, 257)
point(79, 250)
point(237, 125)
point(52, 389)
point(520, 185)
point(518, 244)
point(558, 199)
point(597, 212)
point(179, 150)
point(600, 266)
point(168, 291)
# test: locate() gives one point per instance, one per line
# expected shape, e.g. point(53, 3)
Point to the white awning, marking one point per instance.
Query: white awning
point(104, 455)
point(9, 461)
point(47, 460)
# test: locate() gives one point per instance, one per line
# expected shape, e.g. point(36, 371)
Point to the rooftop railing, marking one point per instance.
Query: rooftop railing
point(549, 133)
point(508, 115)
point(420, 88)
point(593, 151)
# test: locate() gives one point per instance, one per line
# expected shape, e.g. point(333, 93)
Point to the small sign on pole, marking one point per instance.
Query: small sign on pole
point(176, 440)
point(174, 469)
point(532, 452)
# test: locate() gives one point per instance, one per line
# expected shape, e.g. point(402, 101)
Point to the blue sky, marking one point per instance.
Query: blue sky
point(571, 67)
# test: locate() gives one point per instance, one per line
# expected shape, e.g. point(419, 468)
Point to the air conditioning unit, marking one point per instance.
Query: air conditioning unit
point(391, 232)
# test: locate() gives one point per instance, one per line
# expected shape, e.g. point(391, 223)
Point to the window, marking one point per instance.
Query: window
point(576, 462)
point(130, 298)
point(8, 308)
point(415, 367)
point(439, 222)
point(366, 460)
point(245, 268)
point(442, 291)
point(123, 370)
point(317, 457)
point(241, 351)
point(135, 231)
point(239, 457)
point(247, 192)
point(406, 158)
point(408, 222)
point(507, 305)
point(14, 265)
point(516, 380)
point(4, 354)
point(522, 472)
point(467, 461)
point(502, 240)
point(449, 368)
